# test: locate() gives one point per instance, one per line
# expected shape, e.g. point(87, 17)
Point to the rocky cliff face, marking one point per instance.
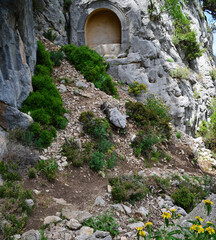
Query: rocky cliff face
point(149, 55)
point(17, 59)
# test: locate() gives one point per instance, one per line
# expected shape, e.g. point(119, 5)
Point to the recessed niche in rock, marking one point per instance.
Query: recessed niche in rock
point(103, 32)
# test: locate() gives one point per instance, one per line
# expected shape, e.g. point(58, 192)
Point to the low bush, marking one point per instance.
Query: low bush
point(78, 156)
point(56, 57)
point(99, 130)
point(181, 73)
point(104, 222)
point(48, 168)
point(92, 66)
point(128, 188)
point(184, 198)
point(50, 35)
point(32, 173)
point(213, 74)
point(153, 119)
point(136, 88)
point(10, 171)
point(14, 209)
point(44, 104)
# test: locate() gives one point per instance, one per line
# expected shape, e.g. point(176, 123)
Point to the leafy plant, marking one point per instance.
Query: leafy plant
point(213, 73)
point(178, 135)
point(10, 171)
point(56, 57)
point(92, 66)
point(128, 188)
point(97, 161)
point(49, 35)
point(104, 222)
point(184, 198)
point(180, 73)
point(136, 88)
point(32, 173)
point(48, 168)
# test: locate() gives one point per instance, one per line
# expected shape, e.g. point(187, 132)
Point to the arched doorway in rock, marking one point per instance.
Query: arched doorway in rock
point(103, 32)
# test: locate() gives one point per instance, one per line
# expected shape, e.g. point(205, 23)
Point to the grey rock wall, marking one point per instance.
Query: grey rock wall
point(151, 56)
point(17, 58)
point(49, 16)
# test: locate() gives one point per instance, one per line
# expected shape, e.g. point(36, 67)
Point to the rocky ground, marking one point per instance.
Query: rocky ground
point(79, 193)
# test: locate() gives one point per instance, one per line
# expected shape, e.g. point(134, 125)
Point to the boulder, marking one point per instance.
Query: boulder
point(31, 235)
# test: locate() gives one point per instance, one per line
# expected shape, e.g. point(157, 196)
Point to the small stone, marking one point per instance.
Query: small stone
point(101, 234)
point(62, 88)
point(127, 209)
point(73, 224)
point(81, 84)
point(43, 158)
point(86, 231)
point(118, 207)
point(17, 236)
point(99, 202)
point(142, 211)
point(109, 188)
point(31, 235)
point(29, 202)
point(51, 219)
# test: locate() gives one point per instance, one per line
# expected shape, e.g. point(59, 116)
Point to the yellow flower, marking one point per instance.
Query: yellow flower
point(142, 233)
point(199, 219)
point(209, 223)
point(148, 224)
point(166, 215)
point(139, 228)
point(197, 228)
point(207, 201)
point(173, 210)
point(193, 227)
point(200, 230)
point(210, 230)
point(179, 215)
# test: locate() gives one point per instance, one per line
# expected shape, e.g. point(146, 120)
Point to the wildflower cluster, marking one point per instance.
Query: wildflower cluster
point(136, 88)
point(172, 230)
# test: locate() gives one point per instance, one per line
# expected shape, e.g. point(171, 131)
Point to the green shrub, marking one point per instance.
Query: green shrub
point(49, 35)
point(111, 161)
point(128, 188)
point(32, 173)
point(75, 154)
point(178, 135)
point(136, 88)
point(184, 198)
point(44, 104)
point(97, 161)
point(144, 142)
point(10, 171)
point(43, 56)
point(184, 37)
point(104, 222)
point(181, 73)
point(56, 57)
point(213, 74)
point(48, 168)
point(91, 65)
point(14, 208)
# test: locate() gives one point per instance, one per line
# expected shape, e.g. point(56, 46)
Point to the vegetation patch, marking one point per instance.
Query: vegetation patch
point(104, 222)
point(136, 88)
point(14, 208)
point(44, 104)
point(128, 188)
point(184, 38)
point(153, 120)
point(48, 168)
point(92, 66)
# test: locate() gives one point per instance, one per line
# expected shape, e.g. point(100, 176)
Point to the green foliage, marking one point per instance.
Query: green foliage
point(178, 135)
point(99, 130)
point(10, 171)
point(213, 74)
point(56, 57)
point(169, 60)
point(48, 168)
point(44, 104)
point(184, 198)
point(43, 56)
point(136, 88)
point(181, 73)
point(14, 208)
point(32, 173)
point(184, 37)
point(49, 35)
point(67, 3)
point(104, 222)
point(97, 161)
point(75, 154)
point(153, 119)
point(128, 188)
point(92, 66)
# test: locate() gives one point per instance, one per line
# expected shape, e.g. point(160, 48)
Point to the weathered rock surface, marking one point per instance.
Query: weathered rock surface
point(152, 56)
point(31, 235)
point(49, 17)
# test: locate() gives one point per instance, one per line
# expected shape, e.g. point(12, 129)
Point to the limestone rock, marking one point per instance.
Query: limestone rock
point(31, 235)
point(99, 202)
point(73, 224)
point(133, 226)
point(51, 219)
point(29, 202)
point(80, 216)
